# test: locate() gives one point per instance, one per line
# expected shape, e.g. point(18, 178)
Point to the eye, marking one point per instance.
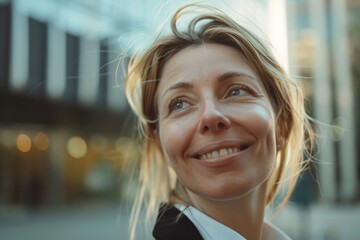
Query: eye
point(177, 104)
point(237, 90)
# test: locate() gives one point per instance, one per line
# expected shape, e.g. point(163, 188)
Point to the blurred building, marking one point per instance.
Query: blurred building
point(324, 56)
point(63, 108)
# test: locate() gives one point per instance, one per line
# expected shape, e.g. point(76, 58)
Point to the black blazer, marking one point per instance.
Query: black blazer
point(169, 227)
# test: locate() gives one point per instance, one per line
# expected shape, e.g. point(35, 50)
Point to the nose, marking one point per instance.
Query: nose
point(212, 119)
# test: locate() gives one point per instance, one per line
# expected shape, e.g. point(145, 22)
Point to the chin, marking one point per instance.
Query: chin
point(227, 192)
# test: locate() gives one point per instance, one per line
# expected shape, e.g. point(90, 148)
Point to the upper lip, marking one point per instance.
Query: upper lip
point(216, 146)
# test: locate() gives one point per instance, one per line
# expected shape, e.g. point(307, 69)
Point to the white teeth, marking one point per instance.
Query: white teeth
point(223, 152)
point(215, 154)
point(220, 153)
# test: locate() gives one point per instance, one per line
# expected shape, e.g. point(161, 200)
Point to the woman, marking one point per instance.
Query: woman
point(223, 130)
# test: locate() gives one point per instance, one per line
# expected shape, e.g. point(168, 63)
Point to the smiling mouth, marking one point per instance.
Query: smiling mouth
point(222, 152)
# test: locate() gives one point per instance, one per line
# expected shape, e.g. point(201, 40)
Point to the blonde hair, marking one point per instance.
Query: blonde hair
point(157, 180)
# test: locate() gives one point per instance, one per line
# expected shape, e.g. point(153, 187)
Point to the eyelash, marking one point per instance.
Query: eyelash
point(241, 87)
point(177, 100)
point(173, 102)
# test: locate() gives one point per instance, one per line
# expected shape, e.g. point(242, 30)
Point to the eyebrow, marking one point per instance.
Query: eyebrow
point(222, 78)
point(229, 75)
point(182, 85)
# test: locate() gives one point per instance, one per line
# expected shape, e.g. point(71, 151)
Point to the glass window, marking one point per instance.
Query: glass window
point(103, 76)
point(72, 67)
point(37, 57)
point(4, 44)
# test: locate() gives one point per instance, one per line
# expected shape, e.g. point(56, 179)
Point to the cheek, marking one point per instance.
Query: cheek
point(263, 123)
point(259, 120)
point(174, 138)
point(265, 126)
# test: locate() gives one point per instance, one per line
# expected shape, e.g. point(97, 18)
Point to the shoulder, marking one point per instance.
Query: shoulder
point(172, 224)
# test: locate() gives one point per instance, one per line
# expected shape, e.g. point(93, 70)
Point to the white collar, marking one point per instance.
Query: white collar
point(210, 229)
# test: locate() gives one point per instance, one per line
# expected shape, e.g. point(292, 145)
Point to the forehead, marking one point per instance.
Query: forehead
point(206, 58)
point(199, 63)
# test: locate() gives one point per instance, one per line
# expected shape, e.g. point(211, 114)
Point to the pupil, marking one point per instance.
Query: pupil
point(178, 105)
point(234, 92)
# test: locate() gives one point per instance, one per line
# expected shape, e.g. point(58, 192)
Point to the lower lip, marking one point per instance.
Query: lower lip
point(221, 161)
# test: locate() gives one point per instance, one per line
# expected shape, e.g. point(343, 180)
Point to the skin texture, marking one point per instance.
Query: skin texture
point(209, 98)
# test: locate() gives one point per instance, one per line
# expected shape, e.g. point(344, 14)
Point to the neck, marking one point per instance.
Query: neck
point(245, 214)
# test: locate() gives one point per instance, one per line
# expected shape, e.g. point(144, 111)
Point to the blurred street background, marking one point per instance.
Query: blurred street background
point(66, 129)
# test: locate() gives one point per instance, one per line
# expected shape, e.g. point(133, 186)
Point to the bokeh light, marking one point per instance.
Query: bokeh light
point(76, 147)
point(41, 141)
point(23, 143)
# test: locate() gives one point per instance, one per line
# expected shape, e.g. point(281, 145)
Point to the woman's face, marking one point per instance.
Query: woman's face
point(216, 122)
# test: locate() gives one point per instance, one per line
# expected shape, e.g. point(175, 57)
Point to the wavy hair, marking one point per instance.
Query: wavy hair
point(157, 180)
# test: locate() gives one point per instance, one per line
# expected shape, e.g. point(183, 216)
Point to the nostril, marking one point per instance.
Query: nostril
point(213, 123)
